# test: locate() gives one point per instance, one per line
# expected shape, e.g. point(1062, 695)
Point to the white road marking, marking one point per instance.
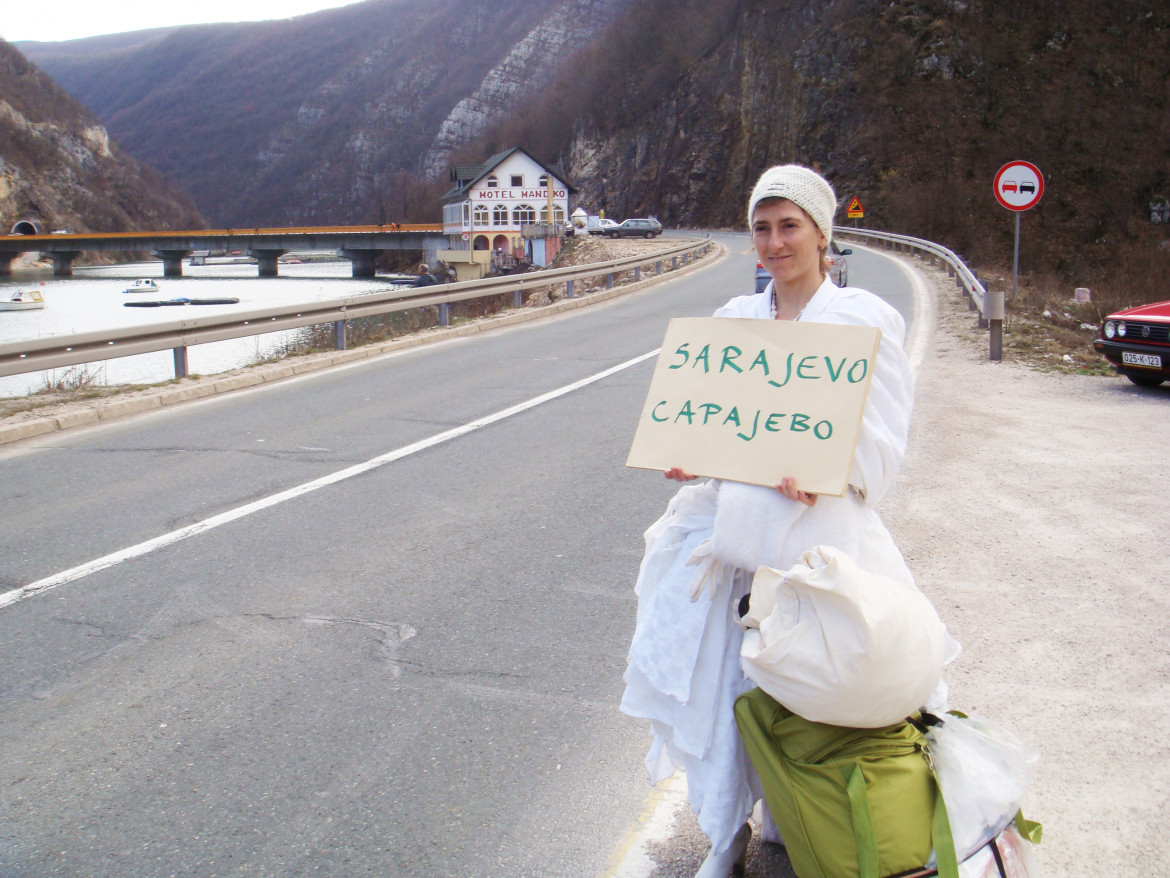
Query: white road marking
point(16, 595)
point(922, 330)
point(631, 858)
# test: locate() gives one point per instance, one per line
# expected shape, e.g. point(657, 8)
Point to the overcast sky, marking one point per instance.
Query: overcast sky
point(47, 20)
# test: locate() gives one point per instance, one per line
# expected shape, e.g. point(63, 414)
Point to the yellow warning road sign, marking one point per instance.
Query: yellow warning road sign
point(855, 210)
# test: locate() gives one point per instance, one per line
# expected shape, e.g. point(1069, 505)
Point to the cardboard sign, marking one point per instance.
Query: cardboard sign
point(758, 400)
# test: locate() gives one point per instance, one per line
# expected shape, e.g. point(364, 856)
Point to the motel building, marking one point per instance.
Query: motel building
point(504, 214)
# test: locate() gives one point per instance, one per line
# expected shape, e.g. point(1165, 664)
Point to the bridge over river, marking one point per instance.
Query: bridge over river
point(360, 244)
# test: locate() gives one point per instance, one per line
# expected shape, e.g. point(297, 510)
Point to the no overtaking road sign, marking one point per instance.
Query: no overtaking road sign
point(1019, 185)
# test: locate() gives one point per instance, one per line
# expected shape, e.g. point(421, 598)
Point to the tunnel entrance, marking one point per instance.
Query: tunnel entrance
point(26, 227)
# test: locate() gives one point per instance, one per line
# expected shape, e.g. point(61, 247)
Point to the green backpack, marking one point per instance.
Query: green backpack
point(850, 803)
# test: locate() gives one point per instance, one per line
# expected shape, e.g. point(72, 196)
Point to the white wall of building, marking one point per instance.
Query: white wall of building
point(514, 194)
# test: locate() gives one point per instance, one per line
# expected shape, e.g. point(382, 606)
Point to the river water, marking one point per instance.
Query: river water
point(93, 300)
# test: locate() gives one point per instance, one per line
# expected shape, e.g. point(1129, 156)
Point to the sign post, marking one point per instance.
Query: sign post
point(855, 211)
point(1018, 187)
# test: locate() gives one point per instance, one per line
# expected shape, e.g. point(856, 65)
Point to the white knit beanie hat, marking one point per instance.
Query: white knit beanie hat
point(802, 186)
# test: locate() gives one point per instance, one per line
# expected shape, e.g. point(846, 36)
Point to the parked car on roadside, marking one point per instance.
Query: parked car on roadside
point(635, 228)
point(838, 268)
point(1136, 342)
point(602, 226)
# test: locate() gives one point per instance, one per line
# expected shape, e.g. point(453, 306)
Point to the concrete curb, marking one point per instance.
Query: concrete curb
point(85, 414)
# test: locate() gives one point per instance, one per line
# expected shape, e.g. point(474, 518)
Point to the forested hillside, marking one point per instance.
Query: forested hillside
point(911, 105)
point(324, 118)
point(58, 166)
point(670, 107)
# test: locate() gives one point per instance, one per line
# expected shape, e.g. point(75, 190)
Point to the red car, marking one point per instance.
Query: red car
point(1137, 342)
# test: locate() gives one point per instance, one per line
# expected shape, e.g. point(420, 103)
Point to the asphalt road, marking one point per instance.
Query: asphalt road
point(413, 670)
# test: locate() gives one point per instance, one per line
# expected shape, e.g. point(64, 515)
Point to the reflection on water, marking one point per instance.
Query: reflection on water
point(93, 300)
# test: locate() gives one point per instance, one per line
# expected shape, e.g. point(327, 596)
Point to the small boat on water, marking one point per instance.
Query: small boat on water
point(23, 300)
point(142, 285)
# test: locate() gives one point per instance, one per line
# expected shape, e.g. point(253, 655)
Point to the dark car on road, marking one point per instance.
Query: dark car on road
point(838, 268)
point(1136, 342)
point(635, 228)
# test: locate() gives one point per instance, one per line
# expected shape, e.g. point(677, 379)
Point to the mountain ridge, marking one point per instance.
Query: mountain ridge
point(669, 107)
point(59, 167)
point(345, 109)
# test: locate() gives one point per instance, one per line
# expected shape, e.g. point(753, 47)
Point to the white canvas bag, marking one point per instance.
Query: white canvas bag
point(837, 644)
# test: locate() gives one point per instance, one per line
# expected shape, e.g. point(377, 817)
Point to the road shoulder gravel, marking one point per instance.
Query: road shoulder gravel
point(1032, 509)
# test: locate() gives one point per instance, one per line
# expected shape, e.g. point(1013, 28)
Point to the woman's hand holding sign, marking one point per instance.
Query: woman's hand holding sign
point(788, 488)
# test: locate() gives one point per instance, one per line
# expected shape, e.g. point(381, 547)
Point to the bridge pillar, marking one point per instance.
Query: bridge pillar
point(363, 261)
point(6, 260)
point(172, 261)
point(63, 262)
point(266, 260)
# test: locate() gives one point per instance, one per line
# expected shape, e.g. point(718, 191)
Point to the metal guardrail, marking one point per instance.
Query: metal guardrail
point(55, 352)
point(989, 304)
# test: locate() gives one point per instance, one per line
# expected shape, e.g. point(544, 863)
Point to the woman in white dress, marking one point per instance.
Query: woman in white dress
point(684, 672)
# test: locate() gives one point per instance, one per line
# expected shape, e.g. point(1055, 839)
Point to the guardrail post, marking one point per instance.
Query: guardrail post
point(637, 273)
point(518, 299)
point(568, 289)
point(180, 362)
point(444, 313)
point(609, 281)
point(674, 263)
point(993, 312)
point(339, 334)
point(658, 267)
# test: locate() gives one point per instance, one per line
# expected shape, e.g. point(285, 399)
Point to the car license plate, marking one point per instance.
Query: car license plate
point(1131, 359)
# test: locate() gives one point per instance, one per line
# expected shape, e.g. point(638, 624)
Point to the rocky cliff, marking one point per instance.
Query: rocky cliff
point(59, 167)
point(334, 117)
point(670, 107)
point(911, 105)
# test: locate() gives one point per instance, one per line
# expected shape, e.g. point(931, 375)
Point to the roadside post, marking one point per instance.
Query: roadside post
point(1018, 187)
point(993, 310)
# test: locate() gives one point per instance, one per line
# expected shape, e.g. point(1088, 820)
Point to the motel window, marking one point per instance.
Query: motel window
point(543, 184)
point(492, 182)
point(500, 215)
point(558, 214)
point(481, 215)
point(517, 181)
point(524, 215)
